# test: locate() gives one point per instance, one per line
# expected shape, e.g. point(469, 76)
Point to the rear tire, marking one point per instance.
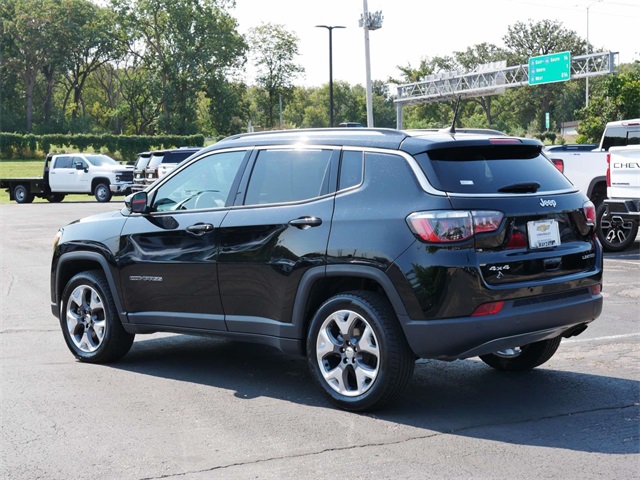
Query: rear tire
point(22, 195)
point(89, 320)
point(55, 197)
point(357, 351)
point(523, 358)
point(102, 192)
point(615, 236)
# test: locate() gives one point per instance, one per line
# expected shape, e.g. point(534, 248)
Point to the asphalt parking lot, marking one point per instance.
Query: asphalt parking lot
point(200, 408)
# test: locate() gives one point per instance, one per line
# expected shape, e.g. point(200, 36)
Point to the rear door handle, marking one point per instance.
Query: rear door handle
point(200, 228)
point(305, 222)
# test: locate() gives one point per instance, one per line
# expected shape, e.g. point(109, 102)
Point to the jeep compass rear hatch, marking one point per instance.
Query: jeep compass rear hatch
point(524, 219)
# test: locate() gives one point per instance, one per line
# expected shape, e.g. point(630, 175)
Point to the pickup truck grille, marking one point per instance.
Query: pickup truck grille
point(125, 176)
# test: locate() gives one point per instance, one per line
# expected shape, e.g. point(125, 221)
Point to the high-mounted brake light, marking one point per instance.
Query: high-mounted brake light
point(446, 226)
point(504, 141)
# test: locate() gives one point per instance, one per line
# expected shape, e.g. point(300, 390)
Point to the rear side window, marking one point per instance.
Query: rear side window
point(351, 169)
point(63, 162)
point(176, 157)
point(281, 176)
point(487, 169)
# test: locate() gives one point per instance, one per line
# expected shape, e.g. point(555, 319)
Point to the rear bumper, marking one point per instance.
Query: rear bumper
point(625, 209)
point(520, 322)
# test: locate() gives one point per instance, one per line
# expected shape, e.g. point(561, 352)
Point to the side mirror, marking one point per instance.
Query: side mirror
point(79, 166)
point(137, 202)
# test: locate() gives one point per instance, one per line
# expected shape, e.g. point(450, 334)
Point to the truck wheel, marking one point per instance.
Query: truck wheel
point(102, 192)
point(357, 352)
point(614, 233)
point(523, 358)
point(22, 195)
point(89, 320)
point(55, 197)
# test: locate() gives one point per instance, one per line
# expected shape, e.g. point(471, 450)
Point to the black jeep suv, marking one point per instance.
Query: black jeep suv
point(361, 249)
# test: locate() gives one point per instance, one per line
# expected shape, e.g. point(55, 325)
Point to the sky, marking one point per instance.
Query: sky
point(415, 29)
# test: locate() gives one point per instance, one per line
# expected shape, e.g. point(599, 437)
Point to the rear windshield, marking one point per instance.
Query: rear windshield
point(487, 169)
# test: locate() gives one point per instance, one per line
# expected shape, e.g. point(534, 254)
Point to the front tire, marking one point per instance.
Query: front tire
point(22, 195)
point(89, 320)
point(102, 192)
point(523, 358)
point(357, 352)
point(615, 235)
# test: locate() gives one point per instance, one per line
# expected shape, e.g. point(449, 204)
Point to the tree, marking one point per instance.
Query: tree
point(541, 38)
point(273, 50)
point(27, 42)
point(187, 43)
point(617, 97)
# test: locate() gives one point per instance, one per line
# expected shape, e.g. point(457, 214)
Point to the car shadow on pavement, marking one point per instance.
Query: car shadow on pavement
point(545, 407)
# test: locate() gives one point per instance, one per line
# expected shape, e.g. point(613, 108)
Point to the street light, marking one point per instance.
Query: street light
point(586, 95)
point(330, 28)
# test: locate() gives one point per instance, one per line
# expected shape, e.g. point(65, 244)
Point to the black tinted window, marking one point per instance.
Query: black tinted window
point(351, 169)
point(620, 136)
point(280, 176)
point(487, 169)
point(176, 157)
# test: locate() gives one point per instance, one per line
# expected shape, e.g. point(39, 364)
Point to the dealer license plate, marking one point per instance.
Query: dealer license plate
point(543, 233)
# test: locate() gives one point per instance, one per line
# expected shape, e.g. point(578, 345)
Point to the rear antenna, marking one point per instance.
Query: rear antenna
point(452, 130)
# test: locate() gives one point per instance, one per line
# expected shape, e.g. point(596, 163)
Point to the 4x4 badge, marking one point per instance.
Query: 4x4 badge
point(547, 203)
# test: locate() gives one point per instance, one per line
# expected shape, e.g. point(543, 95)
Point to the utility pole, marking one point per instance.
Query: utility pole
point(586, 93)
point(369, 21)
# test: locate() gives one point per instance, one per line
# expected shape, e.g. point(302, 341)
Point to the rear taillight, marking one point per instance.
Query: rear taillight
point(446, 226)
point(589, 210)
point(558, 163)
point(608, 169)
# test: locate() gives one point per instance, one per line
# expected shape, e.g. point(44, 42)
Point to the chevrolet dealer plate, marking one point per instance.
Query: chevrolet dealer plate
point(543, 233)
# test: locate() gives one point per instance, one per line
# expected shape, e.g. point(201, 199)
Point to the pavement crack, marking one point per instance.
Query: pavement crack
point(384, 444)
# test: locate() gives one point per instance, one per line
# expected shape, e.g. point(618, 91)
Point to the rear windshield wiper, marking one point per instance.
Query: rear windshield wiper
point(528, 187)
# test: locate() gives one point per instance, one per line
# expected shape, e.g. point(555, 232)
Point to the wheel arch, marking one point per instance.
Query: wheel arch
point(98, 180)
point(73, 263)
point(321, 283)
point(597, 184)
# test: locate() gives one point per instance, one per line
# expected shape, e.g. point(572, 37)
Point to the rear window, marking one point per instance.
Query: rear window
point(486, 169)
point(621, 136)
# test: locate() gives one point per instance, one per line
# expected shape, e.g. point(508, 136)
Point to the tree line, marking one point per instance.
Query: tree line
point(150, 67)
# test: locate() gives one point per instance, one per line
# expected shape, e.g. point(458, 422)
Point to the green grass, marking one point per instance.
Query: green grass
point(22, 168)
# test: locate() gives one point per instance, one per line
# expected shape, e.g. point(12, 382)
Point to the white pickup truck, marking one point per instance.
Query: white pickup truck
point(93, 174)
point(619, 215)
point(587, 169)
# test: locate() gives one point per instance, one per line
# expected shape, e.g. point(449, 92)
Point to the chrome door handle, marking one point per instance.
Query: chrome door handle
point(305, 222)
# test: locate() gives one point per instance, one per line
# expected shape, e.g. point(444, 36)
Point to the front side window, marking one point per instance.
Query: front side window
point(281, 176)
point(101, 160)
point(205, 183)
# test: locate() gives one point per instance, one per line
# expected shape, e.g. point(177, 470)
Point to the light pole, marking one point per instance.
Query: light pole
point(586, 94)
point(330, 28)
point(369, 21)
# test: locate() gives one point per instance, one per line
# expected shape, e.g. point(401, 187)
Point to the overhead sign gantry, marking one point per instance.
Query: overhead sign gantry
point(493, 79)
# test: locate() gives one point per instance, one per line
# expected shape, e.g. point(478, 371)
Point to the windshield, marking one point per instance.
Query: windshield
point(142, 162)
point(156, 159)
point(101, 160)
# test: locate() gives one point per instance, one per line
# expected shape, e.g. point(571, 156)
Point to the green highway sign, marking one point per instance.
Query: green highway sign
point(555, 67)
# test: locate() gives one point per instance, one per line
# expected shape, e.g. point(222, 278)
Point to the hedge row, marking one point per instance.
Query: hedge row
point(15, 145)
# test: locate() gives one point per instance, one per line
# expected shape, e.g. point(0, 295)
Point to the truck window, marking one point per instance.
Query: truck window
point(63, 162)
point(620, 136)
